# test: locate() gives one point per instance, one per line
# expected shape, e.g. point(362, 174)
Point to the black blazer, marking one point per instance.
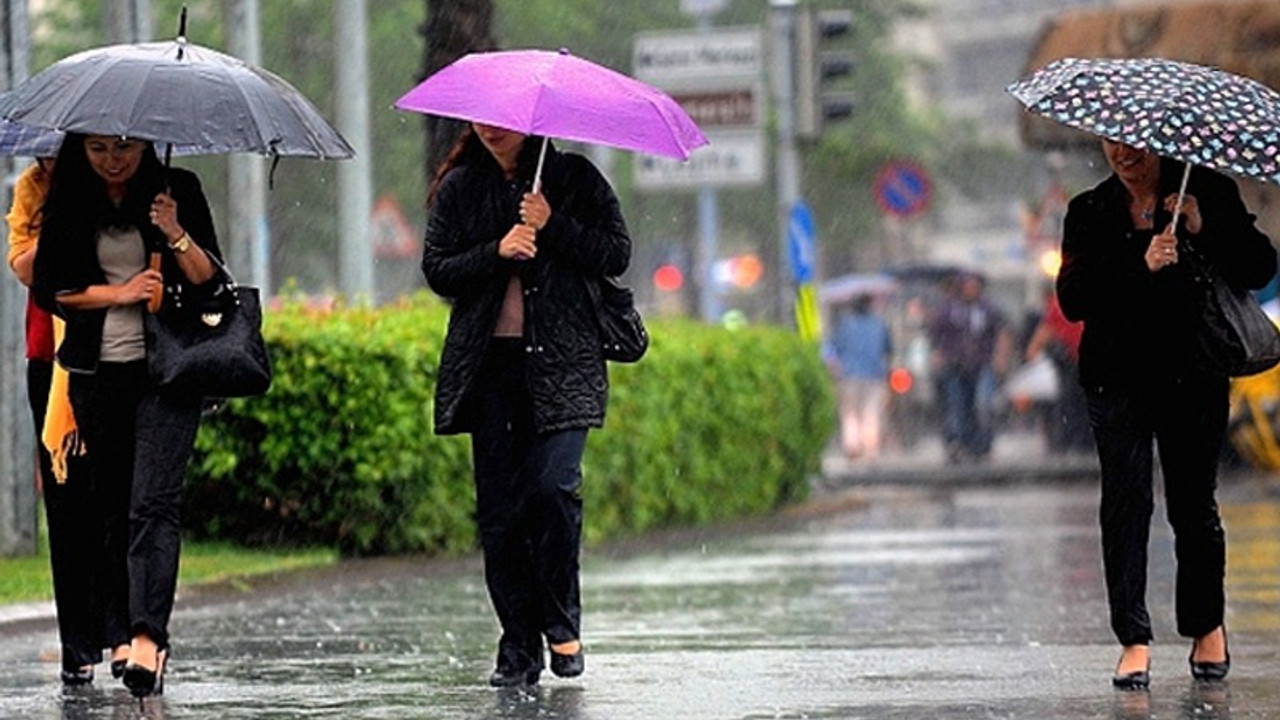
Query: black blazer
point(1138, 324)
point(67, 262)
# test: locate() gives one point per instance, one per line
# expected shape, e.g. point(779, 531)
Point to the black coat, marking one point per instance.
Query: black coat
point(67, 262)
point(1138, 324)
point(474, 207)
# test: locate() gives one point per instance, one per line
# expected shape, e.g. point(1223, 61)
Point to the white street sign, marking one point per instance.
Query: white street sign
point(733, 158)
point(667, 59)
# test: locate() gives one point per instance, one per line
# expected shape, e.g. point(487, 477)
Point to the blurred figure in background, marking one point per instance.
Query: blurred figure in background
point(1058, 339)
point(859, 353)
point(971, 344)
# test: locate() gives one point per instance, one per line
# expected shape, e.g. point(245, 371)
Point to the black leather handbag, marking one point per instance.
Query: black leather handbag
point(1234, 336)
point(213, 349)
point(622, 333)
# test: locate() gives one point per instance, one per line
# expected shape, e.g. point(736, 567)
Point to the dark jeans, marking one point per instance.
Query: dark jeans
point(963, 425)
point(528, 510)
point(1188, 420)
point(75, 533)
point(138, 443)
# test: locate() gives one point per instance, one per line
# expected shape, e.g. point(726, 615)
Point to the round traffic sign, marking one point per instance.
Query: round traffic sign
point(903, 188)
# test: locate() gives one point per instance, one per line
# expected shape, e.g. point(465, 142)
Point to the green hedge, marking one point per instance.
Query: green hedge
point(711, 424)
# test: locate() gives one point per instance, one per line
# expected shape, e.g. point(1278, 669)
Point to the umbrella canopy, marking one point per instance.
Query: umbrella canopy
point(174, 92)
point(1197, 114)
point(554, 94)
point(21, 140)
point(848, 287)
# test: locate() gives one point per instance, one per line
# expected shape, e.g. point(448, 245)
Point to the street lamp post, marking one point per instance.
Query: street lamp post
point(787, 166)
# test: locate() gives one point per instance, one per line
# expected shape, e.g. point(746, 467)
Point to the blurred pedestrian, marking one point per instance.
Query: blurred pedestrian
point(1057, 340)
point(861, 348)
point(971, 343)
point(522, 370)
point(74, 529)
point(110, 204)
point(1122, 277)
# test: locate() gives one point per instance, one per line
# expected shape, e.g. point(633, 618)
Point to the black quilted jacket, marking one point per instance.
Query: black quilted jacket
point(474, 208)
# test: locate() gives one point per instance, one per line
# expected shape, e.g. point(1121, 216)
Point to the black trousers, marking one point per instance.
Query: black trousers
point(529, 512)
point(75, 534)
point(1188, 420)
point(138, 446)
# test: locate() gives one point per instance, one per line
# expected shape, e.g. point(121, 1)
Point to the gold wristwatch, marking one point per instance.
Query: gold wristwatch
point(182, 244)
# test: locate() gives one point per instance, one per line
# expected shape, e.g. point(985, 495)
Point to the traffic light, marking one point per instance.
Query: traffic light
point(816, 67)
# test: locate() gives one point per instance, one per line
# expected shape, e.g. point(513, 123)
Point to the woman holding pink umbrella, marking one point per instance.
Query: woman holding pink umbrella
point(522, 370)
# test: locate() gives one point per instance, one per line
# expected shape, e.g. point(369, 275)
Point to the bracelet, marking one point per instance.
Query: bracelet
point(182, 244)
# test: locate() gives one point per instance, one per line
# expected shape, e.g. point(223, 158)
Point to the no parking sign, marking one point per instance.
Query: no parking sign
point(903, 189)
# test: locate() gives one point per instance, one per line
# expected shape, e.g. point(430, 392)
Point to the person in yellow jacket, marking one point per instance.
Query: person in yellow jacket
point(75, 533)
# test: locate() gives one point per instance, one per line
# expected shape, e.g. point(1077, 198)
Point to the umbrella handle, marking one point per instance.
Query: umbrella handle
point(537, 175)
point(157, 295)
point(1182, 192)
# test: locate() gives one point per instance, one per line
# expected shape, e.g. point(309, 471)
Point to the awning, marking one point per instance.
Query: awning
point(1241, 37)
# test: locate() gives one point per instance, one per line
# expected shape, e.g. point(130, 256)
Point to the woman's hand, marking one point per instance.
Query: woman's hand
point(164, 215)
point(1190, 211)
point(139, 288)
point(1163, 251)
point(520, 243)
point(534, 210)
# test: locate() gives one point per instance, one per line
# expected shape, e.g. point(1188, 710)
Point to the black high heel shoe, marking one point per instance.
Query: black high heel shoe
point(570, 665)
point(77, 676)
point(1210, 671)
point(143, 682)
point(1135, 680)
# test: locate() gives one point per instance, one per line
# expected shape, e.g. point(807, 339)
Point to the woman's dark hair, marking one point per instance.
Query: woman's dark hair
point(468, 150)
point(78, 197)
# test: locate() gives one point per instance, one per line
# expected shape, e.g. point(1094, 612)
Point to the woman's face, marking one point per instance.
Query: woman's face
point(503, 144)
point(1131, 165)
point(114, 159)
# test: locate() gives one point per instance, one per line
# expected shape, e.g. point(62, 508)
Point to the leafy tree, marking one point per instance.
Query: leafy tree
point(453, 29)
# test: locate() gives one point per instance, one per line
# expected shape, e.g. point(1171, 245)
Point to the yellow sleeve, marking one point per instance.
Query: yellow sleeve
point(28, 196)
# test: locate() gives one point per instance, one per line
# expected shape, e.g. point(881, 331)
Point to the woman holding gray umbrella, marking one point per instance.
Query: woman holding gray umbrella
point(111, 203)
point(1122, 276)
point(522, 370)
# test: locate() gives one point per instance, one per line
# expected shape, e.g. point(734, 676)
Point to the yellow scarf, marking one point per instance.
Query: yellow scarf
point(61, 435)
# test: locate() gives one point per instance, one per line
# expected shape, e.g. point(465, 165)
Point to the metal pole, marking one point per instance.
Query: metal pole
point(17, 439)
point(355, 202)
point(250, 240)
point(788, 162)
point(708, 234)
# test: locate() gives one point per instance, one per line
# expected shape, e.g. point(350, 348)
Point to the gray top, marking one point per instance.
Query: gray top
point(122, 255)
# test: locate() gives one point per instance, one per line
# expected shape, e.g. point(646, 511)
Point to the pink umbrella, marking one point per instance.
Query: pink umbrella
point(554, 94)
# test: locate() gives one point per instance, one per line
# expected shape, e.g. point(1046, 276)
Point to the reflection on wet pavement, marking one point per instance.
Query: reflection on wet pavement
point(980, 603)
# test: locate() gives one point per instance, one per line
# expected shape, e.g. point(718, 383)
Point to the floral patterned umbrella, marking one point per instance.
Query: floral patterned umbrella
point(1197, 114)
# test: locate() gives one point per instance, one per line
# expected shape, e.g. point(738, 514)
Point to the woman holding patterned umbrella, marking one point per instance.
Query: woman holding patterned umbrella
point(1123, 277)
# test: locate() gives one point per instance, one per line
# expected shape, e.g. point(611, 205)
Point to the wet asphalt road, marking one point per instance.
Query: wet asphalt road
point(884, 603)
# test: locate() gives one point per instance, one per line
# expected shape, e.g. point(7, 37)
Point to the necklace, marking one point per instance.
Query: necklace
point(1147, 213)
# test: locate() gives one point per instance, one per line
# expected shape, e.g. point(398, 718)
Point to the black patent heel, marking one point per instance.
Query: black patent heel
point(143, 682)
point(1210, 671)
